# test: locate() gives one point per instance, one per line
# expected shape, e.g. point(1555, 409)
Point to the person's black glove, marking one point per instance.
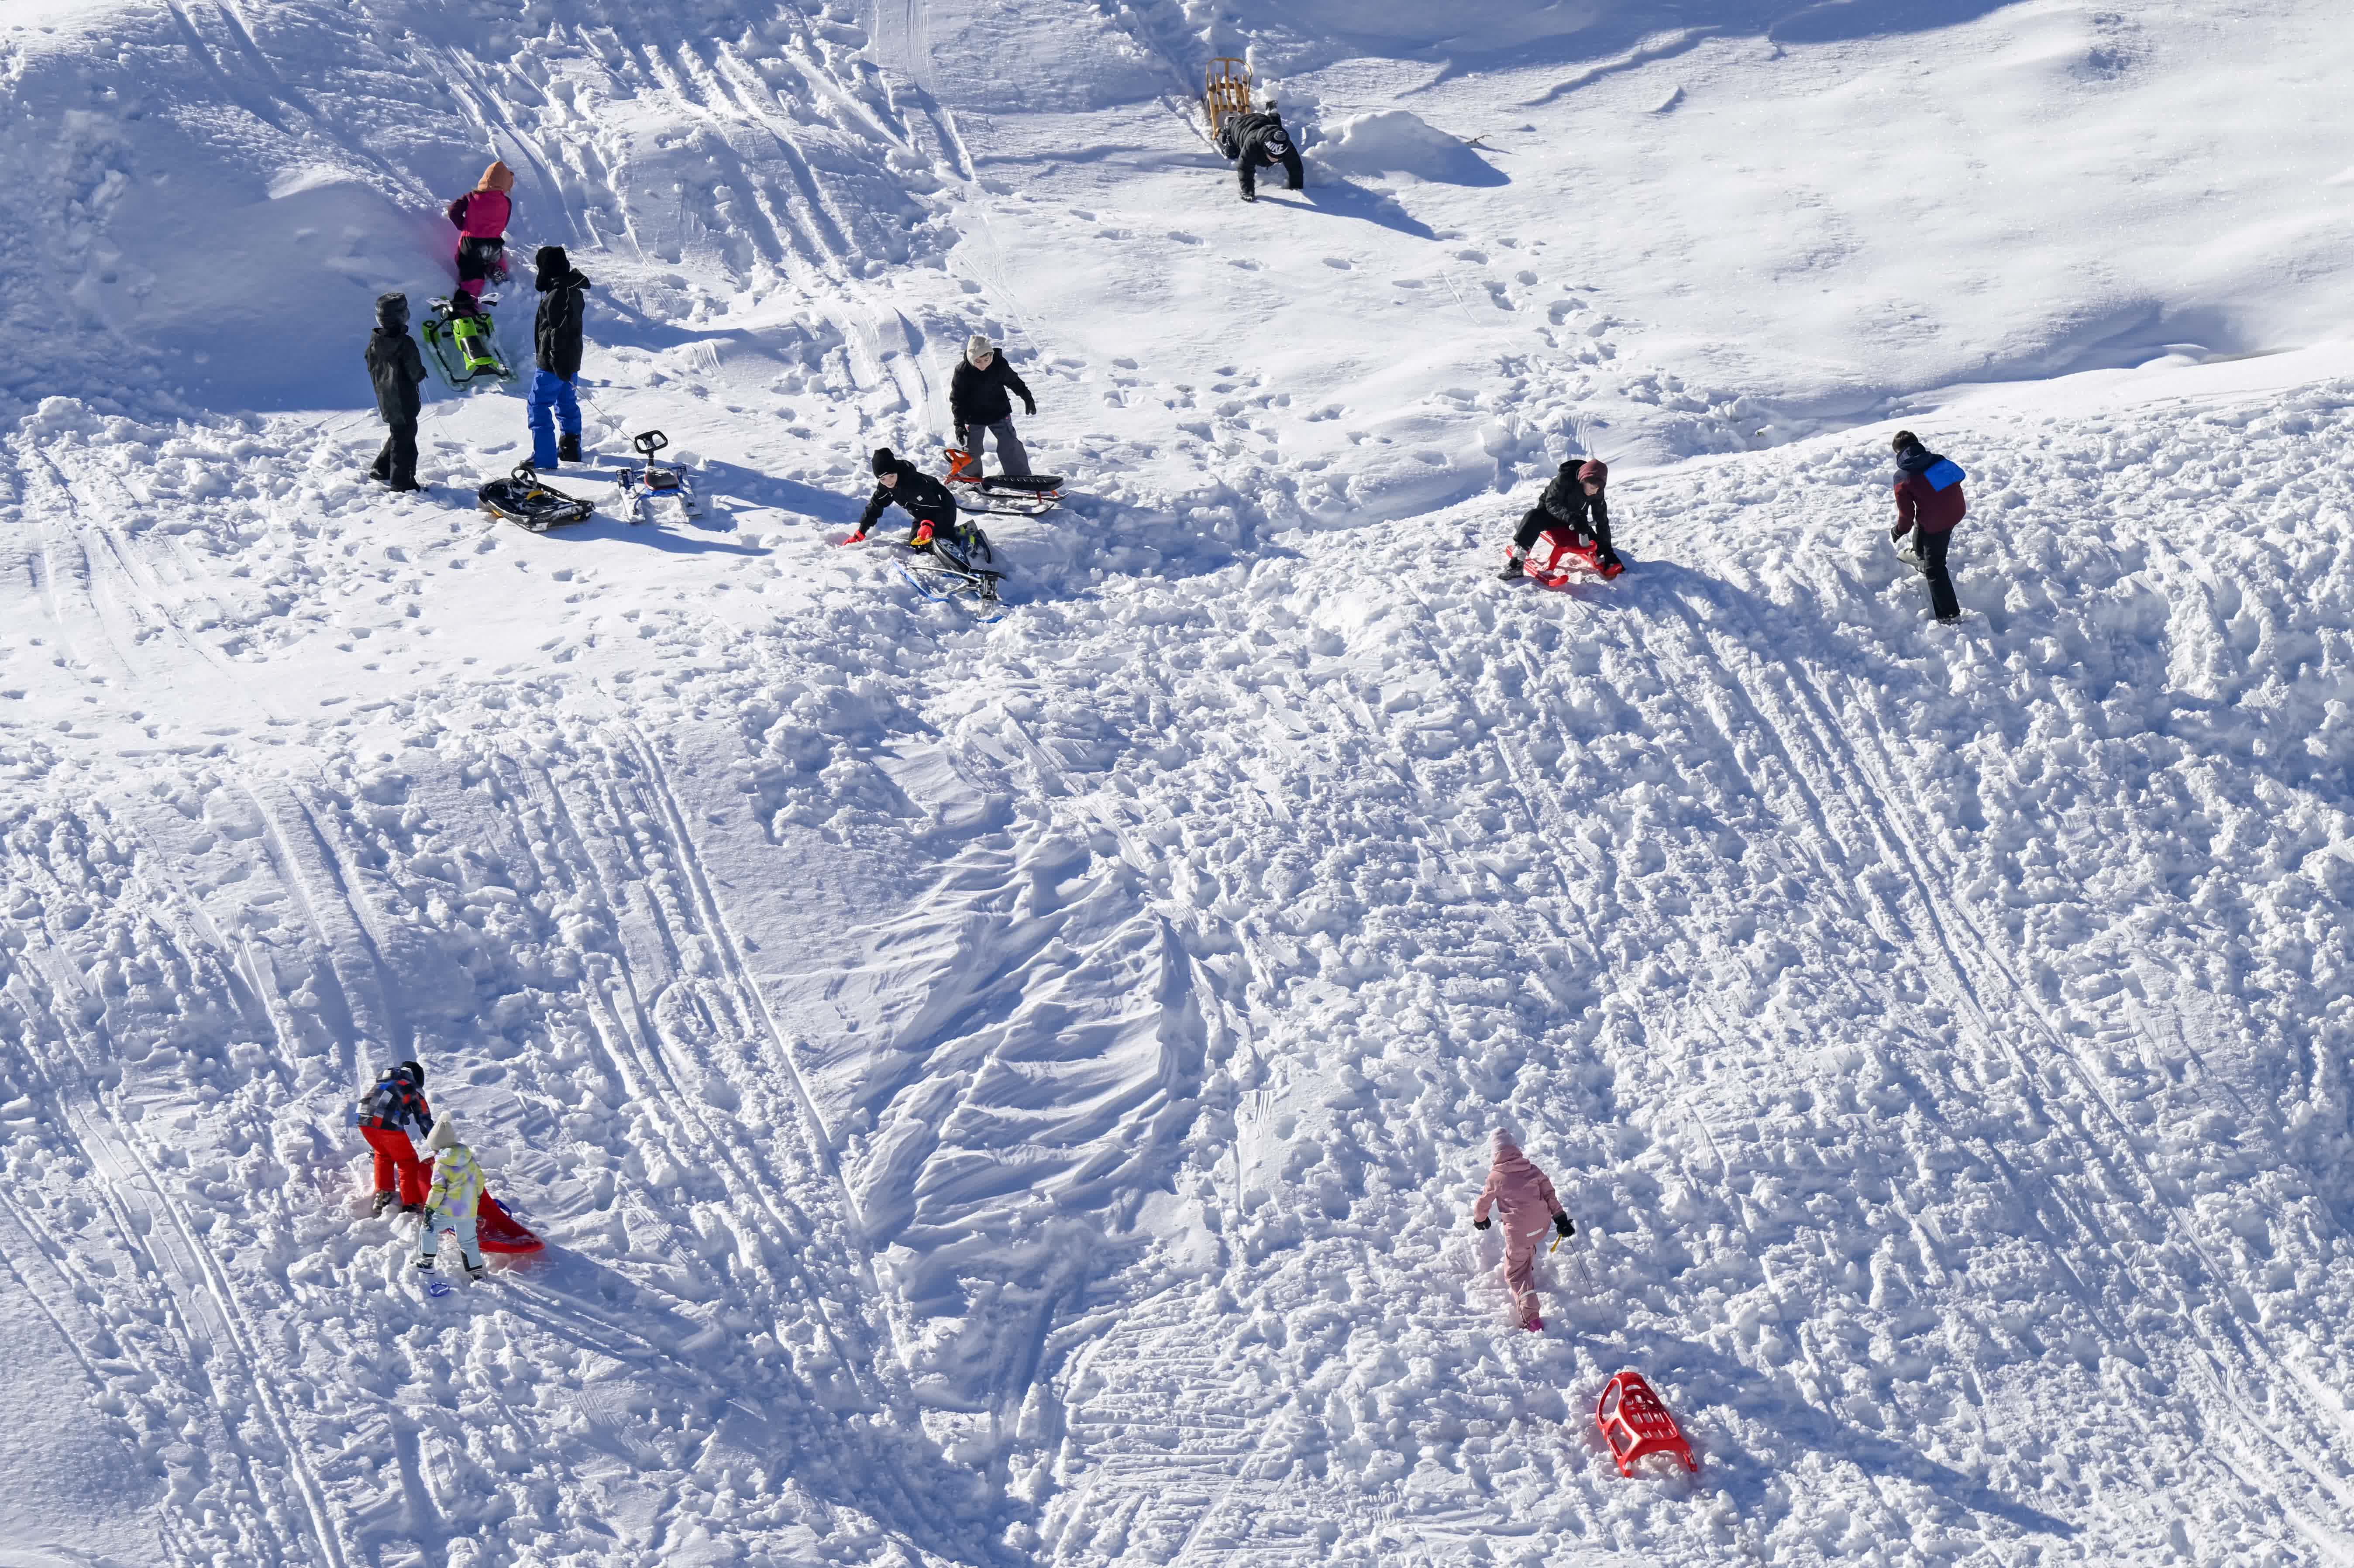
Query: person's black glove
point(1480, 1225)
point(1029, 407)
point(963, 438)
point(1561, 1223)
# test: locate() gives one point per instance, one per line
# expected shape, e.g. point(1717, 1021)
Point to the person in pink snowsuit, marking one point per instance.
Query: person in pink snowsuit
point(1522, 1195)
point(482, 217)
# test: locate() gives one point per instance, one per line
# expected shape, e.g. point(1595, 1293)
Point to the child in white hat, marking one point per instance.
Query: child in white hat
point(457, 1192)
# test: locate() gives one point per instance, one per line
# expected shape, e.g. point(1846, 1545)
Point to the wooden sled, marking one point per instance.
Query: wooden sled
point(1225, 90)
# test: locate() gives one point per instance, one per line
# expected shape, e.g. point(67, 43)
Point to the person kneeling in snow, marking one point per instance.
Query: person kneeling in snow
point(1522, 1195)
point(555, 340)
point(1573, 505)
point(1257, 140)
point(457, 1193)
point(389, 1113)
point(924, 499)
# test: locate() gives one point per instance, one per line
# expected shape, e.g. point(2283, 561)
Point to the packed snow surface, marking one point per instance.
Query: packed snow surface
point(1013, 1092)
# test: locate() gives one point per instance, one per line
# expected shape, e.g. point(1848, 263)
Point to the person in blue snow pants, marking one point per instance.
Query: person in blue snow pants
point(555, 344)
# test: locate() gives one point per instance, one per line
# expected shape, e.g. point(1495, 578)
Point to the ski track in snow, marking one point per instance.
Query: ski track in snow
point(1013, 1093)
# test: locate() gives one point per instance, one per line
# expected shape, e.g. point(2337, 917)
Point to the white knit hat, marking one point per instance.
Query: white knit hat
point(975, 347)
point(444, 1134)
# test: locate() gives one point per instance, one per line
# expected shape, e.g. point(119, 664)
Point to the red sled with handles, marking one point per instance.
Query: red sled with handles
point(1585, 551)
point(1634, 1423)
point(495, 1230)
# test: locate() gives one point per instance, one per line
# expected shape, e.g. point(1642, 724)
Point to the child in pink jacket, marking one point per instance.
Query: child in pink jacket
point(1523, 1195)
point(482, 216)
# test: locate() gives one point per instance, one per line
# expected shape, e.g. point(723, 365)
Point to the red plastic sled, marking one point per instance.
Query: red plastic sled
point(1634, 1423)
point(1552, 574)
point(495, 1230)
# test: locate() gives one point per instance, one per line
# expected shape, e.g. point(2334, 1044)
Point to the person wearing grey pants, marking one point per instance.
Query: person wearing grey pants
point(981, 397)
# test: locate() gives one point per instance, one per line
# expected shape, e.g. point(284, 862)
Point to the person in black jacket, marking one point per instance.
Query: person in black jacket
point(397, 368)
point(1573, 504)
point(1256, 141)
point(556, 342)
point(924, 499)
point(979, 401)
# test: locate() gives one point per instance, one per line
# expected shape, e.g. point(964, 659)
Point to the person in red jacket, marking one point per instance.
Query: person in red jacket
point(1929, 498)
point(393, 1109)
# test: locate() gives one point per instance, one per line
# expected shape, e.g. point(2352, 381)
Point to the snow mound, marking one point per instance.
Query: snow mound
point(1399, 141)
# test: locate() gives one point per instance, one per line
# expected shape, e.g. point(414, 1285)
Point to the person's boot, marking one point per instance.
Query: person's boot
point(476, 1270)
point(425, 1265)
point(412, 1208)
point(1513, 568)
point(383, 1201)
point(568, 448)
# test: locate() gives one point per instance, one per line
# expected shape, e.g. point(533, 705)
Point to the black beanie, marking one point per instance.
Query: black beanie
point(415, 1073)
point(392, 312)
point(550, 261)
point(885, 463)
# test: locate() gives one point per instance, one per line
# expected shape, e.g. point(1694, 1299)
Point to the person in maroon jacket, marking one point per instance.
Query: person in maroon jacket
point(1929, 498)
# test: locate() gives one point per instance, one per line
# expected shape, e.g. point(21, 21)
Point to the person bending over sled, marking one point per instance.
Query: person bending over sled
point(456, 1197)
point(1929, 497)
point(979, 401)
point(1573, 507)
point(396, 369)
point(1254, 140)
point(389, 1113)
point(900, 483)
point(1522, 1196)
point(556, 342)
point(482, 217)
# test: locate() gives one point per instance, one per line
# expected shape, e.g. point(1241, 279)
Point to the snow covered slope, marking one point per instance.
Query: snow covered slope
point(1013, 1093)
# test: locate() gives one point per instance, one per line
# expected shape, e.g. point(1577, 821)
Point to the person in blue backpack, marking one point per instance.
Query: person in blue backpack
point(556, 341)
point(1929, 499)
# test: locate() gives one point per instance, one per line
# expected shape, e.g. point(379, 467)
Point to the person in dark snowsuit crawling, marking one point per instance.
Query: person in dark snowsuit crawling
point(924, 499)
point(979, 402)
point(555, 344)
point(1257, 140)
point(396, 369)
point(1929, 497)
point(1573, 504)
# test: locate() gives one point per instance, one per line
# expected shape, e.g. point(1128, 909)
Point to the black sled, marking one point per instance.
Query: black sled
point(461, 345)
point(524, 501)
point(1025, 496)
point(642, 486)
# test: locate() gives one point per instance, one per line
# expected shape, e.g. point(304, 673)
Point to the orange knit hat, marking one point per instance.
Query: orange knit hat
point(497, 177)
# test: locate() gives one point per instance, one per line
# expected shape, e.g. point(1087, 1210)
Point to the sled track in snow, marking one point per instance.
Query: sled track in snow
point(216, 1325)
point(1867, 789)
point(215, 1339)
